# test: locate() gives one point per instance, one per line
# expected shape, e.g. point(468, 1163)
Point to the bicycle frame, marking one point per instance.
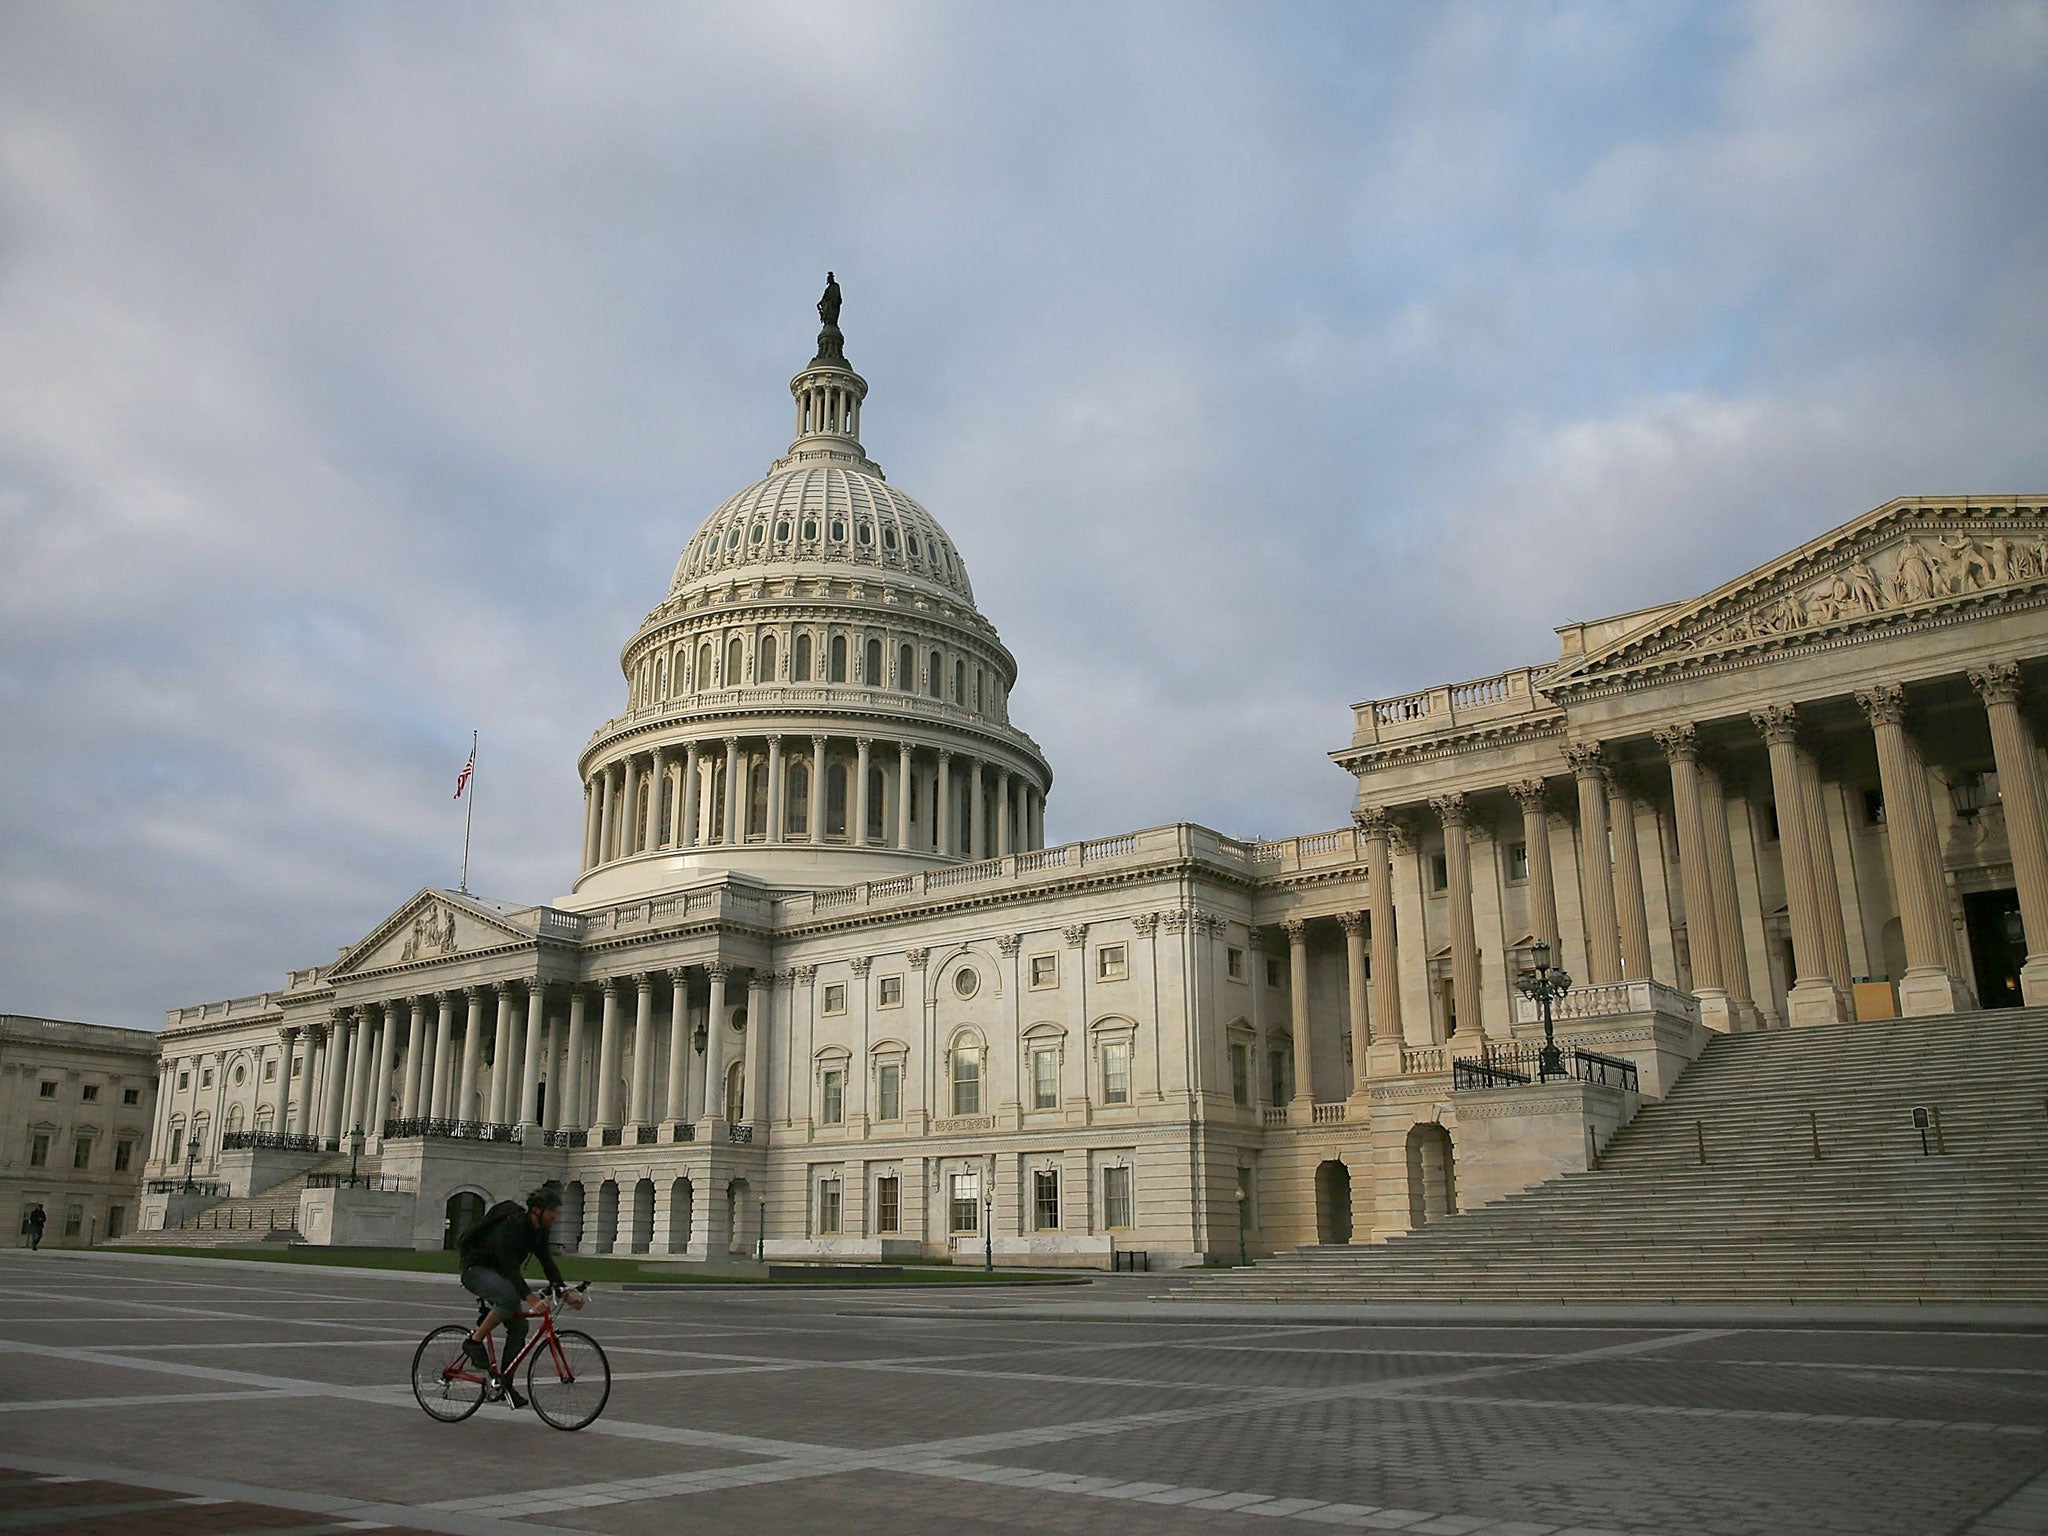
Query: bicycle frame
point(541, 1307)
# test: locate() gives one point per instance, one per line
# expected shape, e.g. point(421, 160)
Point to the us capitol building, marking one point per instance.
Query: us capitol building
point(821, 989)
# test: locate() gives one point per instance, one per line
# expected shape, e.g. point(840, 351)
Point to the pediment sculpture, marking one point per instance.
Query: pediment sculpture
point(433, 933)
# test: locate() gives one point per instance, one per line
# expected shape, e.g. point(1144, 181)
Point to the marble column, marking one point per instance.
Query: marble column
point(573, 1116)
point(688, 833)
point(735, 792)
point(640, 1106)
point(529, 1075)
point(589, 824)
point(1630, 907)
point(977, 813)
point(1596, 863)
point(604, 815)
point(1385, 979)
point(1827, 885)
point(1528, 794)
point(1813, 998)
point(857, 830)
point(1003, 812)
point(281, 1093)
point(1727, 906)
point(903, 794)
point(416, 1051)
point(499, 1101)
point(942, 809)
point(443, 1089)
point(1455, 814)
point(339, 1056)
point(676, 1106)
point(754, 1080)
point(465, 1106)
point(816, 811)
point(553, 1031)
point(1702, 939)
point(609, 1050)
point(380, 1081)
point(1297, 1001)
point(777, 797)
point(630, 825)
point(1927, 986)
point(1354, 925)
point(2026, 824)
point(713, 1104)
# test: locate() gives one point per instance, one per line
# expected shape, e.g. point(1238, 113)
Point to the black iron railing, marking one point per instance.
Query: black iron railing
point(272, 1141)
point(646, 1135)
point(385, 1182)
point(1511, 1064)
point(613, 1136)
point(211, 1187)
point(450, 1130)
point(1612, 1071)
point(566, 1138)
point(740, 1135)
point(683, 1131)
point(1484, 1074)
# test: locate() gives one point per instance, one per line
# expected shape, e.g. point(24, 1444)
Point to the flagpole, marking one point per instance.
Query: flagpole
point(468, 816)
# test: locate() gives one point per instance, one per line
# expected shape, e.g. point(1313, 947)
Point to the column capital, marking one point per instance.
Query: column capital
point(775, 740)
point(287, 1032)
point(1585, 758)
point(643, 981)
point(804, 975)
point(862, 964)
point(1778, 724)
point(1883, 703)
point(863, 742)
point(1678, 741)
point(1147, 922)
point(1528, 793)
point(611, 984)
point(1075, 936)
point(1297, 930)
point(732, 743)
point(717, 970)
point(917, 957)
point(818, 744)
point(1352, 922)
point(1373, 821)
point(1010, 943)
point(1997, 682)
point(1452, 810)
point(762, 979)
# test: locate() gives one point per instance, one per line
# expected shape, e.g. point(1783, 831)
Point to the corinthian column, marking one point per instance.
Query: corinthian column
point(1596, 863)
point(442, 1088)
point(904, 792)
point(977, 813)
point(675, 1107)
point(714, 1045)
point(1385, 980)
point(858, 832)
point(573, 1116)
point(608, 1053)
point(415, 1060)
point(1455, 814)
point(1360, 1019)
point(1927, 986)
point(776, 796)
point(1813, 998)
point(755, 1080)
point(629, 826)
point(657, 780)
point(735, 797)
point(1727, 906)
point(498, 1103)
point(688, 833)
point(281, 1092)
point(1297, 1002)
point(1536, 842)
point(530, 1058)
point(2026, 827)
point(1702, 940)
point(1629, 905)
point(640, 1108)
point(817, 806)
point(942, 806)
point(605, 808)
point(465, 1106)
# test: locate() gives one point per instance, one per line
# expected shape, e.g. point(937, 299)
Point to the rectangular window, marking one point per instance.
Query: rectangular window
point(1272, 972)
point(1518, 861)
point(1873, 807)
point(1045, 1078)
point(1439, 872)
point(131, 1095)
point(1112, 963)
point(90, 1093)
point(206, 1077)
point(967, 1081)
point(1045, 970)
point(964, 1209)
point(1233, 963)
point(74, 1220)
point(1045, 1200)
point(828, 1208)
point(889, 1091)
point(46, 1091)
point(124, 1154)
point(1116, 1072)
point(888, 1203)
point(39, 1150)
point(1241, 1074)
point(833, 1108)
point(1276, 1074)
point(1116, 1197)
point(184, 1081)
point(297, 1063)
point(835, 997)
point(81, 1154)
point(889, 992)
point(270, 1071)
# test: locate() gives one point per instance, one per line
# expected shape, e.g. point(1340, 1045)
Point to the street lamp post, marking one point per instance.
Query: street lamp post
point(1242, 1198)
point(988, 1220)
point(1544, 985)
point(191, 1157)
point(355, 1150)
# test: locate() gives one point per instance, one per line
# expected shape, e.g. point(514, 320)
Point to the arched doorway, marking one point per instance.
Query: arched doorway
point(643, 1216)
point(1432, 1175)
point(569, 1225)
point(607, 1216)
point(680, 1213)
point(1333, 1203)
point(465, 1207)
point(738, 1216)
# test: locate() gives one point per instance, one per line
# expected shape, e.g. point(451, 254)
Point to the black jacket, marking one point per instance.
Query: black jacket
point(504, 1238)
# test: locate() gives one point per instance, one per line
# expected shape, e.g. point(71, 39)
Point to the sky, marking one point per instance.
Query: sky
point(365, 368)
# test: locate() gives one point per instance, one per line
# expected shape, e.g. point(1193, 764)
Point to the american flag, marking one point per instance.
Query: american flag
point(462, 778)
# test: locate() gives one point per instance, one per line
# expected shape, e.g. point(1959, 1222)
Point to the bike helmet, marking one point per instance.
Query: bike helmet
point(547, 1198)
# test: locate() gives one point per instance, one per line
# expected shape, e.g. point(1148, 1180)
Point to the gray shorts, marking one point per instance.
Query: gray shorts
point(505, 1296)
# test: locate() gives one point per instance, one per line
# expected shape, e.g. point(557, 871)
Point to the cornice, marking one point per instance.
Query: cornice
point(1478, 738)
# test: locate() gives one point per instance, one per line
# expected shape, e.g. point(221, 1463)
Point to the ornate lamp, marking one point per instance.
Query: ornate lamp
point(1543, 985)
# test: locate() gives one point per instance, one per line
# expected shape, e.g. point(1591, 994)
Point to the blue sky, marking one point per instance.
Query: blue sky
point(364, 369)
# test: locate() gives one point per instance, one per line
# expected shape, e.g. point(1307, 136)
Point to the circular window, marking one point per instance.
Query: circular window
point(240, 1072)
point(739, 1018)
point(966, 982)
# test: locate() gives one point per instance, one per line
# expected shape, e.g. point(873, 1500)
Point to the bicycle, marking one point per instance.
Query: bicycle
point(571, 1393)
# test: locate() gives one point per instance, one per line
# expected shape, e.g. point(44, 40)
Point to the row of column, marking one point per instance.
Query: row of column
point(689, 799)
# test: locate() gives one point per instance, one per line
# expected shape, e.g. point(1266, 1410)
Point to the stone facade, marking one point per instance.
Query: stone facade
point(76, 1102)
point(821, 989)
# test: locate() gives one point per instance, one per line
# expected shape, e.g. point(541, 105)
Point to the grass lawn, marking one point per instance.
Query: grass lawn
point(583, 1267)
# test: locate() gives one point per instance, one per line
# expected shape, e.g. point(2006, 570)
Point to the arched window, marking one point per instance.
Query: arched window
point(735, 662)
point(757, 801)
point(937, 680)
point(703, 666)
point(959, 682)
point(735, 1093)
point(872, 674)
point(966, 1075)
point(796, 815)
point(906, 669)
point(835, 799)
point(800, 659)
point(838, 659)
point(980, 678)
point(767, 662)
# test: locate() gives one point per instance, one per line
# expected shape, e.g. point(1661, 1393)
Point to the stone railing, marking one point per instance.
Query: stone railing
point(1443, 708)
point(717, 903)
point(1328, 1114)
point(1314, 850)
point(215, 1013)
point(803, 698)
point(1608, 999)
point(1272, 1115)
point(1421, 1061)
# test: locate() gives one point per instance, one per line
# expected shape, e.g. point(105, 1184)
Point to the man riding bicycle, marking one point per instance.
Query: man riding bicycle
point(494, 1251)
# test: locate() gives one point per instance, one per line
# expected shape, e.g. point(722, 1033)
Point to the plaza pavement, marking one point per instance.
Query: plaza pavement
point(146, 1395)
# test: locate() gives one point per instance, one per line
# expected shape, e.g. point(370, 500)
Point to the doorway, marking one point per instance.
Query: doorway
point(1333, 1203)
point(1998, 945)
point(465, 1208)
point(1432, 1175)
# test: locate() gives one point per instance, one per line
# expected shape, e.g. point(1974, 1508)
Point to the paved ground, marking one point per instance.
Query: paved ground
point(202, 1398)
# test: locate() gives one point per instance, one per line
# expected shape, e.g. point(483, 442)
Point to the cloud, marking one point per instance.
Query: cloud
point(367, 368)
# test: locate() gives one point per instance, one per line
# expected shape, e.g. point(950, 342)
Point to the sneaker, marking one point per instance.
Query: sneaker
point(473, 1349)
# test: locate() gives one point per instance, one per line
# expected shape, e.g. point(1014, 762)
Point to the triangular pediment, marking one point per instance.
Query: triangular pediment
point(434, 925)
point(1905, 561)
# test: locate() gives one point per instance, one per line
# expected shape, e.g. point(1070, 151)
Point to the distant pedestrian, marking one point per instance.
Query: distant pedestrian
point(36, 1222)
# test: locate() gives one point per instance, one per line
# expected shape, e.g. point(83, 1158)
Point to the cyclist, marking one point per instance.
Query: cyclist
point(494, 1251)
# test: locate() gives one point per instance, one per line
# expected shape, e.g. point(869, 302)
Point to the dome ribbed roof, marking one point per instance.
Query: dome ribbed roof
point(831, 514)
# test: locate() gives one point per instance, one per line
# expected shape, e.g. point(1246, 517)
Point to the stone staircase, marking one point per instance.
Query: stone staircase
point(1716, 1193)
point(269, 1216)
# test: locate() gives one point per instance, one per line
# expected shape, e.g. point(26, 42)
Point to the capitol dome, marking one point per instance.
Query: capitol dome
point(817, 700)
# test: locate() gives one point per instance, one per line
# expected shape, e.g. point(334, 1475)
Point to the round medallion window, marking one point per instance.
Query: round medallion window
point(966, 982)
point(240, 1073)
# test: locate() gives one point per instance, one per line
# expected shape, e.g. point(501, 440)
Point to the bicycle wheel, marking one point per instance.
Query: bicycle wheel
point(569, 1391)
point(444, 1381)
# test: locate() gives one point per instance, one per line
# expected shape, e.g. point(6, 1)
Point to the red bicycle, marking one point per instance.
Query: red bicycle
point(568, 1378)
